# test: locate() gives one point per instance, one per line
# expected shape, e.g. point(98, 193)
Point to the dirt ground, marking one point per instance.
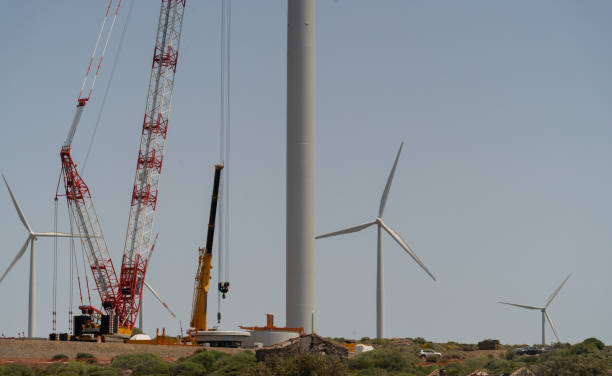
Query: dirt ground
point(41, 351)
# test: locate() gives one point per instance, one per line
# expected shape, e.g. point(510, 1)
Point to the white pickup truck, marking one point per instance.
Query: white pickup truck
point(428, 352)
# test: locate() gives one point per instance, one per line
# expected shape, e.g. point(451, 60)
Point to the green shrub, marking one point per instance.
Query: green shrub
point(60, 357)
point(217, 363)
point(234, 365)
point(141, 364)
point(584, 348)
point(15, 369)
point(187, 368)
point(65, 368)
point(500, 366)
point(572, 366)
point(299, 364)
point(388, 359)
point(380, 342)
point(207, 359)
point(561, 345)
point(456, 369)
point(468, 347)
point(473, 364)
point(451, 345)
point(102, 371)
point(453, 355)
point(419, 340)
point(432, 358)
point(87, 357)
point(595, 342)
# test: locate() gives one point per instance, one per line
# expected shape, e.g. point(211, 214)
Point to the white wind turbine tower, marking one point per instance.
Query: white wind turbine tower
point(379, 260)
point(32, 237)
point(545, 315)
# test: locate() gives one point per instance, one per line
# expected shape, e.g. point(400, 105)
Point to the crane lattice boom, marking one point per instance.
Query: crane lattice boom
point(150, 159)
point(77, 193)
point(83, 211)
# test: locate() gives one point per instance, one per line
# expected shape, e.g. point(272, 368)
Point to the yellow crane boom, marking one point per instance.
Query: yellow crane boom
point(202, 279)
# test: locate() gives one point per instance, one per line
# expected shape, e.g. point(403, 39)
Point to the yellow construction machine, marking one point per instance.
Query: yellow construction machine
point(202, 279)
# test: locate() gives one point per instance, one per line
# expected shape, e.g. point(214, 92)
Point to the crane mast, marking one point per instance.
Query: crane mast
point(149, 162)
point(202, 280)
point(77, 193)
point(82, 210)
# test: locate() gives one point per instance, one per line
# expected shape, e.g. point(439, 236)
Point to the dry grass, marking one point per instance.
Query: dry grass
point(44, 350)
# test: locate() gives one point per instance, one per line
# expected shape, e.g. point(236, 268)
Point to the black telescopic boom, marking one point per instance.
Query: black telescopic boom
point(213, 209)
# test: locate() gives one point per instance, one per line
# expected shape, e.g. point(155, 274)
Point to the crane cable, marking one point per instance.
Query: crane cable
point(73, 256)
point(108, 85)
point(81, 100)
point(93, 53)
point(227, 137)
point(54, 314)
point(73, 265)
point(224, 149)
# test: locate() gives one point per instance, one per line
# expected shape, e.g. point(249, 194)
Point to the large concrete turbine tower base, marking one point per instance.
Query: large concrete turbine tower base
point(300, 164)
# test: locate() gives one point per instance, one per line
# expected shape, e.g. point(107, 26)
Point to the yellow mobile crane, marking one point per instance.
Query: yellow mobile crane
point(202, 280)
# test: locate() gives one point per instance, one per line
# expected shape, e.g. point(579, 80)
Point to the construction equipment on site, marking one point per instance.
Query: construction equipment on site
point(120, 297)
point(78, 197)
point(271, 327)
point(149, 164)
point(269, 334)
point(198, 333)
point(158, 340)
point(202, 279)
point(223, 285)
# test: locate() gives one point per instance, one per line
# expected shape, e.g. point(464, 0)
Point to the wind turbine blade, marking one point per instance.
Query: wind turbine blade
point(152, 248)
point(522, 306)
point(383, 199)
point(552, 325)
point(556, 292)
point(19, 212)
point(19, 254)
point(347, 230)
point(159, 298)
point(55, 234)
point(403, 244)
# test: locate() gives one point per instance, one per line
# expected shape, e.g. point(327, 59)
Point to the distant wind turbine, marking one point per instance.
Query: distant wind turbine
point(32, 237)
point(379, 260)
point(545, 314)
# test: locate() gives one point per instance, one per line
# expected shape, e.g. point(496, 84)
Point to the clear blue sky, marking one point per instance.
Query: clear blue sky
point(503, 187)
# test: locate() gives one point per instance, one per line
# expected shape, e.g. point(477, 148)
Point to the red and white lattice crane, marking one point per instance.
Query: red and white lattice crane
point(77, 193)
point(150, 160)
point(121, 297)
